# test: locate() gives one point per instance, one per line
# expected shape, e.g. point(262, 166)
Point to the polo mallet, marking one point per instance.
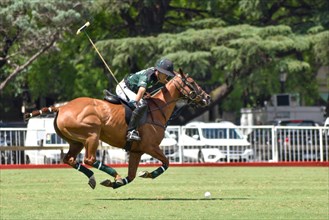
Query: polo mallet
point(99, 54)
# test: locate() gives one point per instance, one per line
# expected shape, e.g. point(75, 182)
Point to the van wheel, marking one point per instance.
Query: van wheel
point(27, 159)
point(200, 157)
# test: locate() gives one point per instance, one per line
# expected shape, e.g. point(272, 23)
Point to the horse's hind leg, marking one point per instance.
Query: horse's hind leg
point(91, 144)
point(70, 159)
point(158, 154)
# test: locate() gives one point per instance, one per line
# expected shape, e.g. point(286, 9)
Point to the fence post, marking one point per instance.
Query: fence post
point(228, 147)
point(321, 132)
point(179, 142)
point(275, 152)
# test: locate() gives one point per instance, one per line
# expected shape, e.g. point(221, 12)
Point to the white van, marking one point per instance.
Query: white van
point(41, 133)
point(169, 146)
point(214, 142)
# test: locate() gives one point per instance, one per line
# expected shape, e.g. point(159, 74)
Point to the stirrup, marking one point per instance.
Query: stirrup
point(133, 136)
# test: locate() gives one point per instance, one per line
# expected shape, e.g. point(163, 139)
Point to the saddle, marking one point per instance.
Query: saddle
point(112, 98)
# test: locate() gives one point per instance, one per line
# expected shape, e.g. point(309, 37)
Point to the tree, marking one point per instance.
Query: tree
point(301, 16)
point(35, 28)
point(235, 56)
point(236, 48)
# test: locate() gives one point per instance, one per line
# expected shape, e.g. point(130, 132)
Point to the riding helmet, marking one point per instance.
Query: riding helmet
point(165, 66)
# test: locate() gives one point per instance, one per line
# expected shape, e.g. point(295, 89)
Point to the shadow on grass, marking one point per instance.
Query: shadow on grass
point(170, 199)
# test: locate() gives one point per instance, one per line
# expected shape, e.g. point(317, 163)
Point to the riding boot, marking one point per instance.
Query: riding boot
point(137, 114)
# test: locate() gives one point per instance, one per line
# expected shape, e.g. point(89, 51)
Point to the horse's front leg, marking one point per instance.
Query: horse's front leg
point(158, 154)
point(134, 159)
point(109, 170)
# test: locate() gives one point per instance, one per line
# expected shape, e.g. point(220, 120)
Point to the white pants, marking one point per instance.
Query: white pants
point(131, 95)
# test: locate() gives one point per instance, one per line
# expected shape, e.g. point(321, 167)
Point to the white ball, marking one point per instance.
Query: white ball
point(207, 194)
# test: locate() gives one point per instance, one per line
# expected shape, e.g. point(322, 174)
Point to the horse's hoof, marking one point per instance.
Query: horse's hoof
point(144, 174)
point(107, 183)
point(119, 181)
point(92, 182)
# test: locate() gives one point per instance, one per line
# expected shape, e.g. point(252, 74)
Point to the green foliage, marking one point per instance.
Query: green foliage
point(321, 45)
point(235, 103)
point(207, 23)
point(252, 8)
point(244, 42)
point(221, 51)
point(34, 22)
point(89, 82)
point(28, 27)
point(56, 78)
point(196, 63)
point(299, 15)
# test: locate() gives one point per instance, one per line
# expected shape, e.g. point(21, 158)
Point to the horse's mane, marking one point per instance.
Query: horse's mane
point(162, 90)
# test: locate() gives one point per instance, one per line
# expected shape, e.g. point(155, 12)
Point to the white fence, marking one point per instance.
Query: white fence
point(264, 144)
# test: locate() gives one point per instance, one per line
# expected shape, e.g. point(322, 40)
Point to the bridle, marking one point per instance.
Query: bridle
point(188, 88)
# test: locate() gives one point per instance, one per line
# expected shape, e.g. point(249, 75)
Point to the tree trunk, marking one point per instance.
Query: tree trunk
point(19, 69)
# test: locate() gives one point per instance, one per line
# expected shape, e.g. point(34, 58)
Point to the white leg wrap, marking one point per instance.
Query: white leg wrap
point(125, 181)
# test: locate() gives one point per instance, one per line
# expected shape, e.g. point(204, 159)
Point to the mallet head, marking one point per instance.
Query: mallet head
point(83, 27)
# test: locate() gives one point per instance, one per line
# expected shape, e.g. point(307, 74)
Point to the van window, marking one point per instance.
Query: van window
point(53, 138)
point(233, 134)
point(221, 133)
point(192, 131)
point(214, 133)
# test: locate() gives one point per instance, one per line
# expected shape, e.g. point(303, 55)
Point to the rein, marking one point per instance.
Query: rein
point(186, 95)
point(162, 113)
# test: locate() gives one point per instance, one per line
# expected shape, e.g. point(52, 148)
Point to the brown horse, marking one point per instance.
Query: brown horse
point(83, 122)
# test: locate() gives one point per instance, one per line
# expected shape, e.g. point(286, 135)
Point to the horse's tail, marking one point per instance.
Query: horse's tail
point(42, 111)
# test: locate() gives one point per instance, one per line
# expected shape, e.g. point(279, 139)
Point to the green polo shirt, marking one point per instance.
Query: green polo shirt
point(140, 79)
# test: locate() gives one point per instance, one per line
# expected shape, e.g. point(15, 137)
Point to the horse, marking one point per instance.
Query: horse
point(84, 121)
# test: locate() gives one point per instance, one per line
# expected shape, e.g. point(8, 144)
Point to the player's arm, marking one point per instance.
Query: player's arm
point(140, 93)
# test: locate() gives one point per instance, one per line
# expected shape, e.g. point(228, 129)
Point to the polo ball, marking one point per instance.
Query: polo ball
point(207, 195)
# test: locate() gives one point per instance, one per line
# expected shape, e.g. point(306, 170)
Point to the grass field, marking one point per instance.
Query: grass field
point(237, 193)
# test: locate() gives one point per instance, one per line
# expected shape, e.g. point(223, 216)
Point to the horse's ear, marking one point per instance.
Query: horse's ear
point(181, 73)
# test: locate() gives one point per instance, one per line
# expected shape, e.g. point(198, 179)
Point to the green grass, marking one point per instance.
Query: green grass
point(237, 193)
